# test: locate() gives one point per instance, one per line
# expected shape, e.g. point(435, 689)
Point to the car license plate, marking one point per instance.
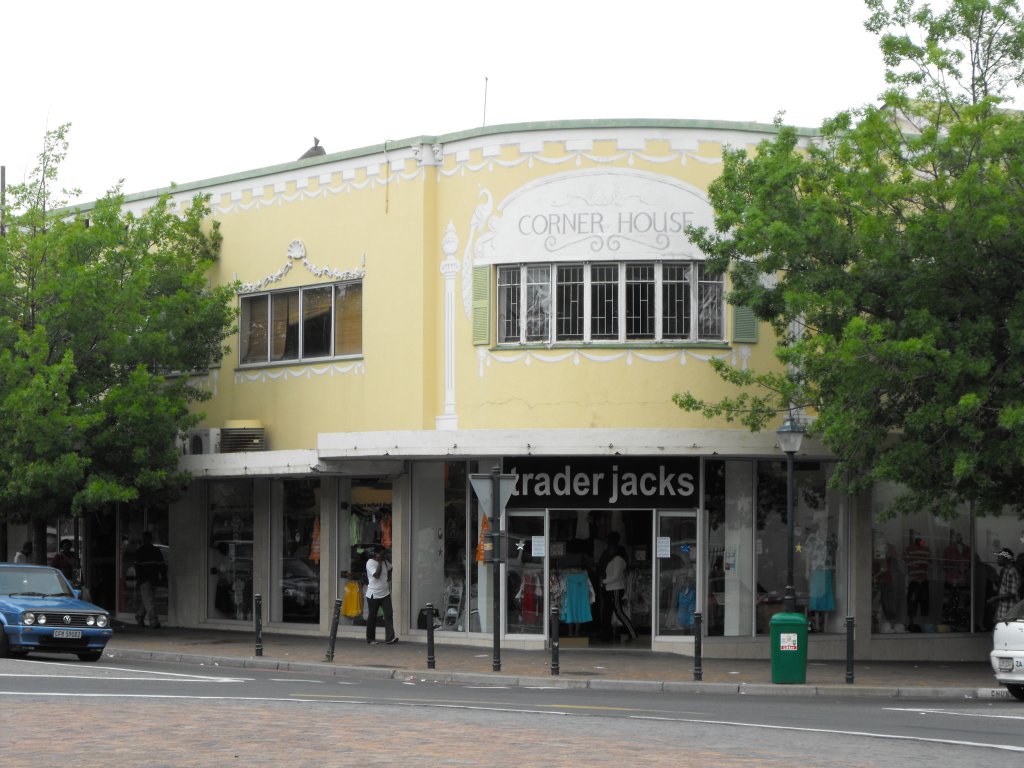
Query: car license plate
point(68, 634)
point(1005, 665)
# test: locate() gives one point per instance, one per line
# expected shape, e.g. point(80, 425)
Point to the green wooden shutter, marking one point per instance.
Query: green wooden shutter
point(481, 305)
point(744, 325)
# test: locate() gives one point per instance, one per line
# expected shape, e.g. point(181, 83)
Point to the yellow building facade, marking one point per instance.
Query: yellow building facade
point(511, 306)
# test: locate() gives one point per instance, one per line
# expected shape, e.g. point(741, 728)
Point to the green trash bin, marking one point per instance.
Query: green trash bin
point(789, 648)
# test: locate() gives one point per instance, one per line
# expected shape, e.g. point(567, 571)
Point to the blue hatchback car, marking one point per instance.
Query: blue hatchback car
point(40, 612)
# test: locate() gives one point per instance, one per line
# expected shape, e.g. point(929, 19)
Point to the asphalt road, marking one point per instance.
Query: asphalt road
point(148, 713)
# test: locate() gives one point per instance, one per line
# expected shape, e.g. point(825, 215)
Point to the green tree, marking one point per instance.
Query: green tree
point(888, 253)
point(103, 314)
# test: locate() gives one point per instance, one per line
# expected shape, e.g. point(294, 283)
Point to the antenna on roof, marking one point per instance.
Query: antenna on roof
point(485, 101)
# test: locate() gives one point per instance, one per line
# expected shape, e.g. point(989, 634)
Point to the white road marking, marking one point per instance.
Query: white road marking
point(148, 675)
point(869, 734)
point(954, 713)
point(289, 680)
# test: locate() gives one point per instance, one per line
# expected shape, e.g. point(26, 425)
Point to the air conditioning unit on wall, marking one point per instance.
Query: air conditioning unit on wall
point(202, 441)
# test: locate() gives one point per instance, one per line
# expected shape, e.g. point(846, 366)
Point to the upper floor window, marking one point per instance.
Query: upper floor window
point(611, 302)
point(302, 323)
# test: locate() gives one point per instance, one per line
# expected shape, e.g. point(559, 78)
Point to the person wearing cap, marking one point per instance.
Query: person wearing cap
point(378, 596)
point(1009, 584)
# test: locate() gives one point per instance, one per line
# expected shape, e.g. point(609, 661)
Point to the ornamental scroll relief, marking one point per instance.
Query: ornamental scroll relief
point(297, 253)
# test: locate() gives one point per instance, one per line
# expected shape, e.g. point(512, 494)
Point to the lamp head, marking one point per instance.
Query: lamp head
point(791, 435)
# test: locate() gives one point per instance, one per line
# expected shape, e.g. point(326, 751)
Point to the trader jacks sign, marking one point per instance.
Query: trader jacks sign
point(616, 483)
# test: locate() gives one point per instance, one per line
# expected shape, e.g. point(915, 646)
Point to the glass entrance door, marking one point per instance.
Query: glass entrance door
point(525, 575)
point(678, 564)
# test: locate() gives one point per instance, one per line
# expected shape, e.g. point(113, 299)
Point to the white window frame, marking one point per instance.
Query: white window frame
point(300, 357)
point(695, 283)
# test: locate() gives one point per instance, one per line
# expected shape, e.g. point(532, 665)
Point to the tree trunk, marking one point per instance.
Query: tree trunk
point(39, 550)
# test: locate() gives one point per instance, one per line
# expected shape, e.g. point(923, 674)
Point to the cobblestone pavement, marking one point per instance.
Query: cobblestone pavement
point(223, 733)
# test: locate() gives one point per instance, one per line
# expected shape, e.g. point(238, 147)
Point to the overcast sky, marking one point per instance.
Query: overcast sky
point(188, 90)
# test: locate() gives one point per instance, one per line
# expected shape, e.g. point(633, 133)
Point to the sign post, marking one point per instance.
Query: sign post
point(493, 491)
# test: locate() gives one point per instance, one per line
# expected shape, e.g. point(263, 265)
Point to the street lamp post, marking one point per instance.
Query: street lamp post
point(791, 435)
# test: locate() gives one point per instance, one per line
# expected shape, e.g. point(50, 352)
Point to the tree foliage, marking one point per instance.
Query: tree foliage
point(103, 313)
point(888, 254)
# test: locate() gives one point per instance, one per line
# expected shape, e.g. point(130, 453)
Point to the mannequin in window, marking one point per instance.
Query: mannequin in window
point(820, 575)
point(955, 562)
point(918, 558)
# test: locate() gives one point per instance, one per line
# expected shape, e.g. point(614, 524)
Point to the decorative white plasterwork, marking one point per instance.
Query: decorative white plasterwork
point(533, 152)
point(528, 149)
point(327, 187)
point(264, 375)
point(740, 355)
point(297, 252)
point(449, 268)
point(207, 382)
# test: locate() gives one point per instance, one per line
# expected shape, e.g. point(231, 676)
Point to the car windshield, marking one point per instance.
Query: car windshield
point(1016, 613)
point(37, 582)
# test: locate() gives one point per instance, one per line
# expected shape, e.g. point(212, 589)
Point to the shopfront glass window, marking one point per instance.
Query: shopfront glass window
point(229, 592)
point(298, 563)
point(525, 573)
point(930, 574)
point(817, 577)
point(678, 562)
point(444, 548)
point(729, 508)
point(144, 585)
point(992, 534)
point(365, 521)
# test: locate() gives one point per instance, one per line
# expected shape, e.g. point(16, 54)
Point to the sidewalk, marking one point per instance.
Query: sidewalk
point(612, 669)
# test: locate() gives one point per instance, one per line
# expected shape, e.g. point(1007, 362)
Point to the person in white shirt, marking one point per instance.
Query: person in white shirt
point(614, 581)
point(24, 555)
point(378, 595)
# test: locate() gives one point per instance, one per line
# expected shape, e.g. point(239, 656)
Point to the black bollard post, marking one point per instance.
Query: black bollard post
point(554, 639)
point(334, 631)
point(698, 662)
point(257, 614)
point(849, 650)
point(430, 635)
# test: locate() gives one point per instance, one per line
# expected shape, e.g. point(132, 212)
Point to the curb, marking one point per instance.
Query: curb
point(567, 683)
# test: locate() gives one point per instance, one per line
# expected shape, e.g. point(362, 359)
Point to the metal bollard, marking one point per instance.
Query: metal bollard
point(554, 639)
point(334, 631)
point(257, 615)
point(849, 650)
point(430, 635)
point(698, 662)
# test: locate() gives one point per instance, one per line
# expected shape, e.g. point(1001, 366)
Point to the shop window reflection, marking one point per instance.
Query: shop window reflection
point(230, 550)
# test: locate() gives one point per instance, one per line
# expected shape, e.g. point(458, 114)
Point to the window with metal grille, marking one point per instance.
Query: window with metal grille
point(609, 302)
point(640, 301)
point(604, 301)
point(570, 305)
point(509, 300)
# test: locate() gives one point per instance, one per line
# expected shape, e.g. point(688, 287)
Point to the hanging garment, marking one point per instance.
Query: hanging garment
point(579, 594)
point(686, 601)
point(821, 598)
point(352, 602)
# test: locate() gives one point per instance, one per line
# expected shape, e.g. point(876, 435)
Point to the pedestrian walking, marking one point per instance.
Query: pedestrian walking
point(149, 564)
point(1008, 593)
point(378, 597)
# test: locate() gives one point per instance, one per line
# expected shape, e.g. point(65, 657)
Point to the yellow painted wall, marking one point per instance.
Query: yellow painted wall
point(389, 219)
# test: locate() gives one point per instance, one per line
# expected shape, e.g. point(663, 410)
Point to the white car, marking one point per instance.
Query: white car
point(1007, 656)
